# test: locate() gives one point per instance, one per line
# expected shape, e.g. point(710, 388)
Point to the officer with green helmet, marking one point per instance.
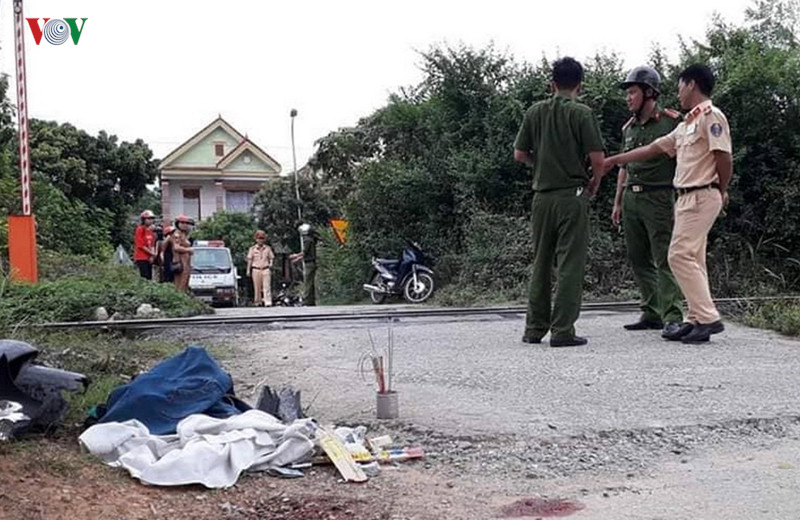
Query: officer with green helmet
point(644, 203)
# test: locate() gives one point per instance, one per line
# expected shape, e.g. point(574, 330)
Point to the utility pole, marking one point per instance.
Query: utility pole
point(293, 114)
point(22, 228)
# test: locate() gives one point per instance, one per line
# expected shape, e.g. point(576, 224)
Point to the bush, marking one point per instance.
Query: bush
point(76, 296)
point(342, 270)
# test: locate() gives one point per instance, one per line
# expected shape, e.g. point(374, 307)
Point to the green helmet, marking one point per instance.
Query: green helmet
point(643, 76)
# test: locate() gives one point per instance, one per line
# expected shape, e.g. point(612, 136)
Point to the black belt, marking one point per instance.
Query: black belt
point(689, 189)
point(639, 188)
point(259, 268)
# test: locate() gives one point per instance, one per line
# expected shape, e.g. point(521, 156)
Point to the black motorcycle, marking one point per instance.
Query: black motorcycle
point(410, 276)
point(287, 296)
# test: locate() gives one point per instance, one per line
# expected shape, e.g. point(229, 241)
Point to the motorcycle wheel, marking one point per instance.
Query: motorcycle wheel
point(377, 298)
point(422, 291)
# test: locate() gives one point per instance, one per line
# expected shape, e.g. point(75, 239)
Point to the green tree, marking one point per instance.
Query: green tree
point(235, 229)
point(276, 210)
point(98, 171)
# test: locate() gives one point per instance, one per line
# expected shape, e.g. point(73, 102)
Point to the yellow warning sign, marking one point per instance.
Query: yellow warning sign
point(339, 227)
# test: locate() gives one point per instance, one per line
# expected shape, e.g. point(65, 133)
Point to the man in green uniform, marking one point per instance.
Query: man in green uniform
point(645, 201)
point(555, 138)
point(309, 259)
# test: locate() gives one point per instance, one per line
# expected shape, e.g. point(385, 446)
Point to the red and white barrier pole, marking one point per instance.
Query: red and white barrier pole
point(22, 228)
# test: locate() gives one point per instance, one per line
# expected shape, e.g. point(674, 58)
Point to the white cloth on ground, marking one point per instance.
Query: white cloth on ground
point(204, 450)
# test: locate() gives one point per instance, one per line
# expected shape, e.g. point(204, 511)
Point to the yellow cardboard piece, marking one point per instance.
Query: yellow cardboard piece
point(340, 457)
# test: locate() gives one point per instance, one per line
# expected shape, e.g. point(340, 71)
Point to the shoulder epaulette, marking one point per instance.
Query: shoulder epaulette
point(708, 109)
point(673, 114)
point(628, 123)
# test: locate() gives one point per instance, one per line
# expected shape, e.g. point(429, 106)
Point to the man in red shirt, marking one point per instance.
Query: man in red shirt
point(144, 244)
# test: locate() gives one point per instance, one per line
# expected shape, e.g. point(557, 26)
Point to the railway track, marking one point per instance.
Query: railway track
point(380, 313)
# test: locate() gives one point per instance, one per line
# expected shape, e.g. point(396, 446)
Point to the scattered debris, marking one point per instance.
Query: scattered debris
point(180, 423)
point(285, 404)
point(32, 390)
point(340, 457)
point(205, 450)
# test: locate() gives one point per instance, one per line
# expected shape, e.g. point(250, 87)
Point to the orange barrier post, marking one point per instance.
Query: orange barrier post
point(22, 248)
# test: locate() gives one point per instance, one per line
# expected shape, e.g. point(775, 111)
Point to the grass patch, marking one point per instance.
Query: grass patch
point(73, 287)
point(783, 317)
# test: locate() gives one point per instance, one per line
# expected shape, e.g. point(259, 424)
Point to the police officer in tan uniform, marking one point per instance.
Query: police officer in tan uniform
point(702, 144)
point(259, 267)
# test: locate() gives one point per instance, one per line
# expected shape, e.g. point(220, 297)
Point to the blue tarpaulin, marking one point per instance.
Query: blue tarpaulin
point(189, 383)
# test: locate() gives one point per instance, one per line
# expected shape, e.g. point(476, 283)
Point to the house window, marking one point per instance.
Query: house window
point(239, 201)
point(219, 149)
point(191, 203)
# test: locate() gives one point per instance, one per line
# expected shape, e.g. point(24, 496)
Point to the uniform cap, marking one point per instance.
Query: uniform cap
point(184, 219)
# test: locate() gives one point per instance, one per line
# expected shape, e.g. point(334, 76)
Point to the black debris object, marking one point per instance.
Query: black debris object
point(284, 404)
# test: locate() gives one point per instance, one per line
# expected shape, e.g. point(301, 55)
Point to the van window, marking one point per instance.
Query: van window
point(211, 260)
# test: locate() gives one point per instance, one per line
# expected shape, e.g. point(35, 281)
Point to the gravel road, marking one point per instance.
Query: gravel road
point(630, 426)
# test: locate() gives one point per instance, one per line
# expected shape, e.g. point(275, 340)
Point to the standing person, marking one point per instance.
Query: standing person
point(555, 138)
point(645, 201)
point(702, 144)
point(182, 252)
point(144, 244)
point(309, 258)
point(259, 265)
point(167, 256)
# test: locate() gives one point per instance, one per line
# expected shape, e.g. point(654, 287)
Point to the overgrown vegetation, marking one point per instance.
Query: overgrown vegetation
point(783, 317)
point(435, 165)
point(73, 287)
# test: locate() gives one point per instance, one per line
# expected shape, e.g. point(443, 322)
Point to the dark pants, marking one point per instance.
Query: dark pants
point(647, 218)
point(309, 284)
point(560, 221)
point(145, 269)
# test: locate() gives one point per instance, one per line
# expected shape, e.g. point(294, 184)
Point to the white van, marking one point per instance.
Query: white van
point(214, 277)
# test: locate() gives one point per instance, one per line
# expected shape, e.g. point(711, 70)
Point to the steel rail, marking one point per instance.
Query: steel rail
point(378, 314)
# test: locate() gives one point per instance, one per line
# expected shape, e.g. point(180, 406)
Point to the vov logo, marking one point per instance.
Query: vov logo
point(56, 30)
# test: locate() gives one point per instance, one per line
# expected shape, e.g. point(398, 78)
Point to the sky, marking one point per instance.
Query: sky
point(161, 70)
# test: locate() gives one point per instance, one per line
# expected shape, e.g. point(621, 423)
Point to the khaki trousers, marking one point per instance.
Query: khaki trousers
point(695, 213)
point(262, 283)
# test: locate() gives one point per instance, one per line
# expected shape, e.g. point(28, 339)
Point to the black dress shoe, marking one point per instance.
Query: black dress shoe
point(574, 341)
point(644, 324)
point(676, 331)
point(531, 339)
point(701, 333)
point(670, 327)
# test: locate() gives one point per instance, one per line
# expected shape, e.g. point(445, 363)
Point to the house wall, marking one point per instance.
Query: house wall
point(255, 165)
point(202, 154)
point(208, 197)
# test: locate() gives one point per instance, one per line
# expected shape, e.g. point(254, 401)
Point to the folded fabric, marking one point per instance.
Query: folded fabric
point(208, 451)
point(191, 382)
